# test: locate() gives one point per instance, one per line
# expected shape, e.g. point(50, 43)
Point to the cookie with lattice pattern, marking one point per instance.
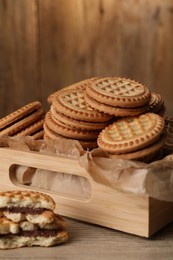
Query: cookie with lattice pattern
point(19, 198)
point(119, 92)
point(71, 103)
point(131, 133)
point(115, 111)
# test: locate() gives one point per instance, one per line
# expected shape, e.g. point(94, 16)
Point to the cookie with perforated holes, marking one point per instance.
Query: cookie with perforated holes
point(27, 218)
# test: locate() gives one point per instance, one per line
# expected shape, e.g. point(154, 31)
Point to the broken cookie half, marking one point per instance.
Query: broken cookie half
point(27, 218)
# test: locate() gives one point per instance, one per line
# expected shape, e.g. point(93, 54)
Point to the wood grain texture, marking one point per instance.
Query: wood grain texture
point(18, 52)
point(46, 45)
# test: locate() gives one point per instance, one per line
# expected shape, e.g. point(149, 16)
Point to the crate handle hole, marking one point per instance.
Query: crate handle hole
point(63, 184)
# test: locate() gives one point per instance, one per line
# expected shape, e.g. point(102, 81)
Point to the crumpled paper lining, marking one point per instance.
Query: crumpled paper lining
point(154, 179)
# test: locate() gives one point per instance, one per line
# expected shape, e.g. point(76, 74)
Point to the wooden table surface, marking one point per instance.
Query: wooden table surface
point(87, 241)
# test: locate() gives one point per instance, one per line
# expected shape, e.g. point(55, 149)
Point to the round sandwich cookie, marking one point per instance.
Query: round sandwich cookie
point(115, 111)
point(71, 103)
point(131, 134)
point(119, 92)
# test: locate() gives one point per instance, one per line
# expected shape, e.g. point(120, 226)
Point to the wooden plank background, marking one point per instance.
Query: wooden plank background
point(46, 45)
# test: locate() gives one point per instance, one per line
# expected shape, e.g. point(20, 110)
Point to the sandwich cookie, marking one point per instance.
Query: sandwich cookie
point(70, 102)
point(35, 130)
point(118, 93)
point(131, 134)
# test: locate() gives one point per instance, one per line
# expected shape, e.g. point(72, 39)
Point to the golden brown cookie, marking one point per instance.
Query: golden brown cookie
point(71, 103)
point(35, 130)
point(10, 199)
point(38, 135)
point(119, 92)
point(131, 134)
point(116, 111)
point(16, 241)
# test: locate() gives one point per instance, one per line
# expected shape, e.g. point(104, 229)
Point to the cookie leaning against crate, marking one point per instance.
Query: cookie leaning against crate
point(21, 119)
point(28, 219)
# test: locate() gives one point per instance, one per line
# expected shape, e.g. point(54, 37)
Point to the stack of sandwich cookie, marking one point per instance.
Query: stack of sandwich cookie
point(27, 218)
point(27, 120)
point(71, 117)
point(118, 96)
point(134, 138)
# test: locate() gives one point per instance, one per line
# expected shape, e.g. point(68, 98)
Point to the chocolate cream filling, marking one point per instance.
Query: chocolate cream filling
point(27, 210)
point(34, 233)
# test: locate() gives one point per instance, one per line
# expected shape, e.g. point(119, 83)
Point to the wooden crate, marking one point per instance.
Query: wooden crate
point(139, 215)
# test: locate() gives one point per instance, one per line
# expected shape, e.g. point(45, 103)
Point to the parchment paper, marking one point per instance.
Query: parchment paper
point(154, 179)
